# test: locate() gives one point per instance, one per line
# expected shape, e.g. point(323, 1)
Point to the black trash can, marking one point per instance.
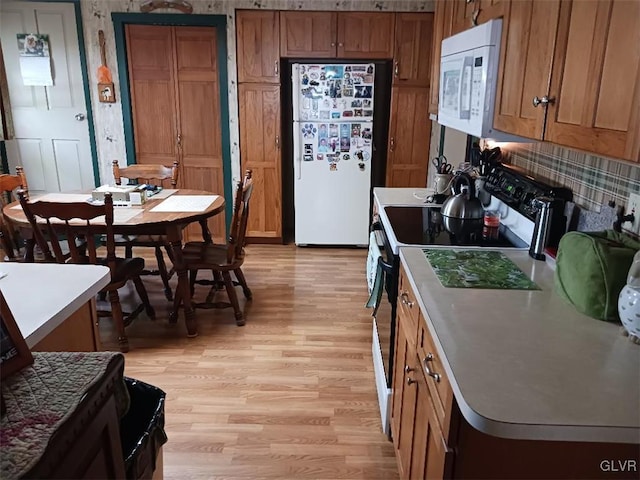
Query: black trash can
point(142, 429)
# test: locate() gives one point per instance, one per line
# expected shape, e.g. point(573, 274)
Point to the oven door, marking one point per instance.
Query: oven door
point(384, 323)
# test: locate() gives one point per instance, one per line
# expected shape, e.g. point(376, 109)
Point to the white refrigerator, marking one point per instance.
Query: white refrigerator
point(332, 155)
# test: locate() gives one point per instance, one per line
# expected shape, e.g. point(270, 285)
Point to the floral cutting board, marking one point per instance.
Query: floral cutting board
point(477, 269)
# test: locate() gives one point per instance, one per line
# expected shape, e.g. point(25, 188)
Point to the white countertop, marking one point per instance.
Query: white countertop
point(384, 196)
point(41, 296)
point(525, 364)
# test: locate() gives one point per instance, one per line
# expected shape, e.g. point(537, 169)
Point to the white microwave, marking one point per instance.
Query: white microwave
point(468, 78)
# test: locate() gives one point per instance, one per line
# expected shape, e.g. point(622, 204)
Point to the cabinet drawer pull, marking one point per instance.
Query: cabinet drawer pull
point(428, 371)
point(408, 369)
point(278, 142)
point(275, 68)
point(544, 101)
point(411, 380)
point(404, 298)
point(396, 69)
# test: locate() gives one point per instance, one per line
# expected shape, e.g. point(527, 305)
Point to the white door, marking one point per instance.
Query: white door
point(51, 129)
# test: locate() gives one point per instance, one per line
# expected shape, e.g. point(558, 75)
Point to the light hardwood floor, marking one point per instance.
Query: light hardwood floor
point(289, 395)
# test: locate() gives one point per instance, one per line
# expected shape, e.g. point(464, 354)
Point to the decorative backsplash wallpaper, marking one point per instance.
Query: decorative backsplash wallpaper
point(96, 15)
point(594, 180)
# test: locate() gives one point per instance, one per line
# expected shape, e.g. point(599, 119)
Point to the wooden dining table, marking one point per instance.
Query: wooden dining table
point(145, 219)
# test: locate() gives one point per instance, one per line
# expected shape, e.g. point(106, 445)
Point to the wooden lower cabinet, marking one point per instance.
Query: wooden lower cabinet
point(78, 333)
point(433, 440)
point(420, 445)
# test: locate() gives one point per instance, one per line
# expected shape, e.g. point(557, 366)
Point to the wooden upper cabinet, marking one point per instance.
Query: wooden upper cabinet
point(258, 39)
point(308, 34)
point(413, 49)
point(441, 30)
point(409, 137)
point(526, 57)
point(596, 79)
point(467, 13)
point(366, 35)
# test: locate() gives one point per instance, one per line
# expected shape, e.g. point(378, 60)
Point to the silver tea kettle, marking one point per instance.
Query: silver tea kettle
point(463, 204)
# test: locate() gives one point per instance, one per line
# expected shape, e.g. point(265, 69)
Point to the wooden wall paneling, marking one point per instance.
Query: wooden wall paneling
point(198, 91)
point(150, 59)
point(413, 49)
point(258, 46)
point(260, 149)
point(526, 57)
point(596, 78)
point(367, 35)
point(308, 34)
point(409, 138)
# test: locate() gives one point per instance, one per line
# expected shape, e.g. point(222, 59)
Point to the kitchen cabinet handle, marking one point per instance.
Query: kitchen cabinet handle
point(428, 371)
point(545, 100)
point(179, 141)
point(411, 380)
point(333, 44)
point(404, 298)
point(408, 369)
point(392, 144)
point(275, 68)
point(278, 142)
point(340, 44)
point(396, 69)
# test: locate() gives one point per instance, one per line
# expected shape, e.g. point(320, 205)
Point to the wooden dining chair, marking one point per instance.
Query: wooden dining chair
point(10, 238)
point(221, 259)
point(71, 221)
point(168, 178)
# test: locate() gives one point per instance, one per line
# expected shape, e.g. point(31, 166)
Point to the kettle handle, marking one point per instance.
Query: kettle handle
point(465, 178)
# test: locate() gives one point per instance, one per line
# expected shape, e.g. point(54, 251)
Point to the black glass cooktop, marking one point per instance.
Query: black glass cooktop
point(426, 226)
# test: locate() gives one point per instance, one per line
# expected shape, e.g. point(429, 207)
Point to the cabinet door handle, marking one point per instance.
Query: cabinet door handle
point(428, 371)
point(411, 380)
point(544, 101)
point(333, 44)
point(276, 68)
point(396, 69)
point(278, 142)
point(404, 298)
point(179, 141)
point(340, 44)
point(408, 369)
point(392, 144)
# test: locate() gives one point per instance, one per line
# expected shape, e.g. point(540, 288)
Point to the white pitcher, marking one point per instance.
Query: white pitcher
point(629, 301)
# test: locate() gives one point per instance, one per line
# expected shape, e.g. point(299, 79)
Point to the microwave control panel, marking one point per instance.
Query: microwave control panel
point(477, 102)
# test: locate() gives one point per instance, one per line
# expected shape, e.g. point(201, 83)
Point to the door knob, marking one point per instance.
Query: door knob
point(545, 100)
point(80, 116)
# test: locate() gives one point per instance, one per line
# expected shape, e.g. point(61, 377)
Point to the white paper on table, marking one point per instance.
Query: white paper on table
point(58, 197)
point(164, 193)
point(185, 203)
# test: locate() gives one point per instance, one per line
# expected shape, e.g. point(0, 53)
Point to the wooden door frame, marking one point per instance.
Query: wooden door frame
point(87, 94)
point(120, 20)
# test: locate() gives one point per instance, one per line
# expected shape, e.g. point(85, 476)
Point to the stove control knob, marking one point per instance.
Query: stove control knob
point(518, 193)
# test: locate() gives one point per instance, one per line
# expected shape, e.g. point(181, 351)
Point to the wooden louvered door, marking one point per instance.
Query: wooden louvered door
point(175, 97)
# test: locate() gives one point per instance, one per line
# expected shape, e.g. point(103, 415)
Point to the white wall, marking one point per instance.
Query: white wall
point(96, 15)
